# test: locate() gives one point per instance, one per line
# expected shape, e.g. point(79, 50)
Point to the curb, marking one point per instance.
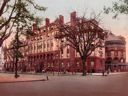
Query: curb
point(118, 73)
point(23, 81)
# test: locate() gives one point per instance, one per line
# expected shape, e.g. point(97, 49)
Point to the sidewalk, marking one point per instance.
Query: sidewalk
point(111, 73)
point(9, 78)
point(31, 77)
point(80, 74)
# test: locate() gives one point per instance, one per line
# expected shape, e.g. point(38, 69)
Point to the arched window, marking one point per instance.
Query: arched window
point(116, 60)
point(122, 60)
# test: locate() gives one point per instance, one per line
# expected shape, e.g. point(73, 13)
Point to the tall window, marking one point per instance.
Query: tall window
point(44, 45)
point(47, 44)
point(67, 50)
point(116, 53)
point(108, 54)
point(92, 63)
point(61, 50)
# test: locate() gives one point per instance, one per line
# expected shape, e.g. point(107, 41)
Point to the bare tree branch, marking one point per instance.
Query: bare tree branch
point(84, 37)
point(3, 6)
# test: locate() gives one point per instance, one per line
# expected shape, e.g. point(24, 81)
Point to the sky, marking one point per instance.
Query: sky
point(65, 7)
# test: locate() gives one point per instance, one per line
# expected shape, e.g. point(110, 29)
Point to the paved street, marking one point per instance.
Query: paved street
point(76, 85)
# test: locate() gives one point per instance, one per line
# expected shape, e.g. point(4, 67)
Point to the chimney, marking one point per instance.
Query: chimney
point(34, 27)
point(73, 18)
point(61, 19)
point(47, 22)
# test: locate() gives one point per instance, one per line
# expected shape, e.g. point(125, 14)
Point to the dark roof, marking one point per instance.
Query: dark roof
point(118, 42)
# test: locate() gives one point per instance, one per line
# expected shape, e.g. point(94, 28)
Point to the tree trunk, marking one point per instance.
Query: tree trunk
point(84, 67)
point(1, 43)
point(16, 74)
point(17, 49)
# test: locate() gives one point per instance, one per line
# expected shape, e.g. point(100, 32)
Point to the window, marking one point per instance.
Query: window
point(51, 28)
point(116, 53)
point(122, 60)
point(92, 63)
point(40, 56)
point(39, 45)
point(51, 44)
point(44, 45)
point(47, 44)
point(44, 30)
point(108, 54)
point(122, 54)
point(68, 64)
point(67, 50)
point(61, 50)
point(62, 64)
point(78, 64)
point(112, 53)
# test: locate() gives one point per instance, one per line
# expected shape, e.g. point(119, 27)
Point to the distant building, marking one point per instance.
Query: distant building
point(115, 52)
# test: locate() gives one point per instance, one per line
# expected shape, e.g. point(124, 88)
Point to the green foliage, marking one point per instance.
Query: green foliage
point(28, 33)
point(23, 20)
point(120, 7)
point(17, 54)
point(39, 20)
point(17, 12)
point(14, 45)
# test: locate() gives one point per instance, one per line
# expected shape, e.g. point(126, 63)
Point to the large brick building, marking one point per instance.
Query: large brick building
point(45, 52)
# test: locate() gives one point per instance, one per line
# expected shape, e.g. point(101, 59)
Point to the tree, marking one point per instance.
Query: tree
point(84, 36)
point(21, 20)
point(15, 47)
point(119, 7)
point(8, 14)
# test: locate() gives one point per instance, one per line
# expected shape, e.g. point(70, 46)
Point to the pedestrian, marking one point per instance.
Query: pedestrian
point(104, 73)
